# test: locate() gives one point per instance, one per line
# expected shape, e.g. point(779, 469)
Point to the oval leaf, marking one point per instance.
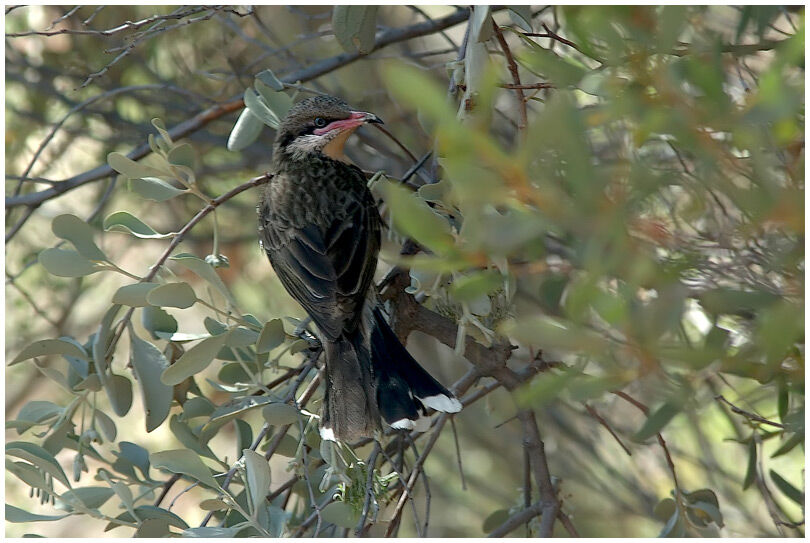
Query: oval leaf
point(158, 321)
point(245, 131)
point(149, 364)
point(66, 263)
point(79, 233)
point(280, 414)
point(258, 477)
point(272, 336)
point(179, 295)
point(119, 391)
point(413, 217)
point(269, 78)
point(133, 295)
point(354, 27)
point(184, 462)
point(340, 514)
point(205, 271)
point(194, 360)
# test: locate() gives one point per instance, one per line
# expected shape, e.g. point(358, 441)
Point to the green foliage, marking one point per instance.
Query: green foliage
point(643, 229)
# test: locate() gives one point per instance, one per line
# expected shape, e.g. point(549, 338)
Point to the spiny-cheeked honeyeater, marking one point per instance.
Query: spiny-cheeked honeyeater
point(320, 227)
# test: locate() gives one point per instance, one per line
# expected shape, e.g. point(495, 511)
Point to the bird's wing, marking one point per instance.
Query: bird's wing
point(328, 270)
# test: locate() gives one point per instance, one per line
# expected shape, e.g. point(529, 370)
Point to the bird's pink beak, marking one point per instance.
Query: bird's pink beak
point(356, 119)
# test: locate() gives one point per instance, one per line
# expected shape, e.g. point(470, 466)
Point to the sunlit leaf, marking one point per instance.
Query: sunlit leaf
point(179, 295)
point(79, 233)
point(247, 129)
point(153, 188)
point(122, 221)
point(129, 168)
point(133, 295)
point(66, 263)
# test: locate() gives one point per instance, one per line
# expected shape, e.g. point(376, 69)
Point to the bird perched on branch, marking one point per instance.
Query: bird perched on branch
point(320, 228)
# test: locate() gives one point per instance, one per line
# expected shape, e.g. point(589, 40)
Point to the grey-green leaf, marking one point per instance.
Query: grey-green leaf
point(657, 420)
point(279, 414)
point(182, 155)
point(256, 105)
point(272, 336)
point(184, 462)
point(258, 477)
point(79, 233)
point(91, 497)
point(133, 295)
point(155, 189)
point(194, 360)
point(787, 488)
point(521, 16)
point(47, 347)
point(121, 221)
point(66, 263)
point(245, 131)
point(119, 392)
point(481, 24)
point(269, 78)
point(15, 514)
point(179, 295)
point(38, 456)
point(129, 168)
point(205, 271)
point(355, 27)
point(149, 364)
point(340, 514)
point(156, 320)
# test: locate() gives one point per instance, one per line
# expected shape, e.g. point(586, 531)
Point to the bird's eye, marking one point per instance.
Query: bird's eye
point(320, 122)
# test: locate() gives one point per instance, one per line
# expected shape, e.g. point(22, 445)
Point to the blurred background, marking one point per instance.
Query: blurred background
point(624, 188)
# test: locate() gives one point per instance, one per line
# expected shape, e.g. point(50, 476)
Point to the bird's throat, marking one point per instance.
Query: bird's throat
point(335, 148)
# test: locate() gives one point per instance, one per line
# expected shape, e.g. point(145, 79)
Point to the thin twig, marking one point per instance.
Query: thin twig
point(372, 460)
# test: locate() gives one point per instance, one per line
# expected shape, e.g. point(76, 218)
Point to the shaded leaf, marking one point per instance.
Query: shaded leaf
point(787, 488)
point(15, 514)
point(355, 27)
point(751, 470)
point(657, 420)
point(106, 425)
point(155, 320)
point(481, 24)
point(205, 271)
point(91, 497)
point(495, 519)
point(79, 233)
point(271, 336)
point(119, 391)
point(279, 414)
point(133, 295)
point(211, 531)
point(47, 347)
point(278, 102)
point(522, 17)
point(269, 78)
point(258, 477)
point(149, 364)
point(66, 263)
point(155, 189)
point(38, 456)
point(182, 155)
point(129, 168)
point(194, 360)
point(414, 218)
point(340, 514)
point(184, 462)
point(179, 295)
point(262, 111)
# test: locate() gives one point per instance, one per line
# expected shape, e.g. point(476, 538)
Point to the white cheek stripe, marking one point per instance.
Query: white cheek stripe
point(442, 403)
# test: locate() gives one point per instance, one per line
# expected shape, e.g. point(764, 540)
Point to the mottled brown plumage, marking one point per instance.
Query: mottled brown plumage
point(320, 228)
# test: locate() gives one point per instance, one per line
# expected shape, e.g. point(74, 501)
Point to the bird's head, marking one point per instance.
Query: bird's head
point(320, 124)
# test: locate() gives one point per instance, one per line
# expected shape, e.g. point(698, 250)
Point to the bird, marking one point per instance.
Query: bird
point(320, 228)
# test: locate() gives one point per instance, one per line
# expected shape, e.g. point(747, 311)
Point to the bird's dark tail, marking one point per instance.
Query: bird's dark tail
point(404, 389)
point(350, 410)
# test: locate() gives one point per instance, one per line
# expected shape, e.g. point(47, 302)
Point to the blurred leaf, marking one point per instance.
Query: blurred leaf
point(66, 263)
point(481, 28)
point(269, 78)
point(179, 295)
point(211, 532)
point(787, 489)
point(149, 363)
point(247, 129)
point(194, 360)
point(522, 17)
point(657, 420)
point(476, 284)
point(241, 337)
point(674, 527)
point(561, 71)
point(38, 456)
point(131, 169)
point(213, 505)
point(414, 218)
point(47, 347)
point(279, 102)
point(161, 128)
point(106, 425)
point(15, 514)
point(133, 295)
point(751, 470)
point(155, 189)
point(272, 336)
point(182, 155)
point(789, 444)
point(79, 233)
point(665, 509)
point(707, 511)
point(495, 519)
point(184, 462)
point(150, 512)
point(672, 22)
point(154, 319)
point(257, 107)
point(340, 514)
point(258, 477)
point(121, 221)
point(355, 27)
point(279, 414)
point(91, 497)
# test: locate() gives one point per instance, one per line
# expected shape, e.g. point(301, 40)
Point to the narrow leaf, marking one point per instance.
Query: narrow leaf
point(656, 421)
point(788, 489)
